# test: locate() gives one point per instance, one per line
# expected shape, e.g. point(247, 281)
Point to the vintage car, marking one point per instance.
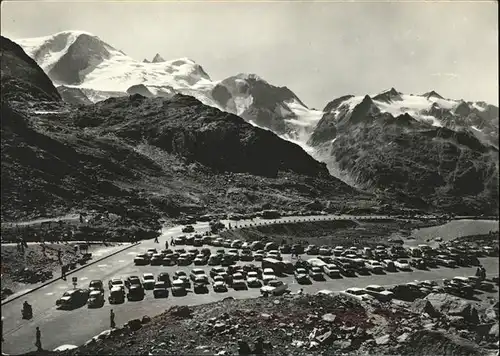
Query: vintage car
point(96, 298)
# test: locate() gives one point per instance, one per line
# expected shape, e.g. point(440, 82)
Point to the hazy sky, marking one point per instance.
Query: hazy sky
point(319, 50)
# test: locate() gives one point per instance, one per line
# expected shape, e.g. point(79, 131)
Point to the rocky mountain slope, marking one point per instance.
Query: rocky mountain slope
point(144, 157)
point(438, 324)
point(407, 153)
point(413, 152)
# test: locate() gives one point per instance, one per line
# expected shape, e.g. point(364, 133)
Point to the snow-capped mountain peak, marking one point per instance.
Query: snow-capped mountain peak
point(388, 96)
point(432, 94)
point(157, 59)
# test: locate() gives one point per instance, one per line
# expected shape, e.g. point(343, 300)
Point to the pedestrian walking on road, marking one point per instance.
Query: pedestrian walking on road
point(112, 319)
point(156, 240)
point(166, 245)
point(38, 342)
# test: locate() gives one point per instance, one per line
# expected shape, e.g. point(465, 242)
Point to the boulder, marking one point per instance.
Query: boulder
point(134, 324)
point(181, 311)
point(420, 306)
point(494, 331)
point(383, 340)
point(219, 326)
point(329, 317)
point(266, 316)
point(325, 338)
point(466, 311)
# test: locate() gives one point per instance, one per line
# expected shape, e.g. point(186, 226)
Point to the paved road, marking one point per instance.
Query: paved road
point(97, 253)
point(76, 327)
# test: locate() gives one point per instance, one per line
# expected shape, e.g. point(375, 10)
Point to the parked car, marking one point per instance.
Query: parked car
point(301, 276)
point(402, 265)
point(132, 280)
point(188, 229)
point(96, 284)
point(160, 290)
point(312, 250)
point(116, 282)
point(418, 263)
point(324, 251)
point(198, 274)
point(200, 288)
point(253, 280)
point(236, 244)
point(219, 287)
point(178, 289)
point(135, 292)
point(198, 241)
point(374, 266)
point(379, 292)
point(246, 255)
point(151, 251)
point(357, 293)
point(200, 260)
point(268, 275)
point(332, 271)
point(157, 259)
point(258, 256)
point(389, 265)
point(73, 298)
point(96, 298)
point(141, 259)
point(116, 295)
point(164, 277)
point(444, 260)
point(274, 287)
point(184, 259)
point(238, 282)
point(316, 273)
point(214, 260)
point(148, 280)
point(179, 240)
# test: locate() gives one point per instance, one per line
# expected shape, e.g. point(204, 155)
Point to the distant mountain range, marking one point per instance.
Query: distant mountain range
point(143, 158)
point(424, 148)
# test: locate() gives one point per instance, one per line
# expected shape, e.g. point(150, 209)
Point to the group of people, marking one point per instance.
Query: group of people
point(481, 272)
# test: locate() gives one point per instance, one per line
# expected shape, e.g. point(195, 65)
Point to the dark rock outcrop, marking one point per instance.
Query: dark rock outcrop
point(184, 126)
point(22, 79)
point(427, 166)
point(73, 96)
point(140, 89)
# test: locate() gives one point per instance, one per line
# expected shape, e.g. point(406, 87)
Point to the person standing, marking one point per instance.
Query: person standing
point(156, 239)
point(38, 342)
point(166, 245)
point(59, 256)
point(112, 319)
point(63, 272)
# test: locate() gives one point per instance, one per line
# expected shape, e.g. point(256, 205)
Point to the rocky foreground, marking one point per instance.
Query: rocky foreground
point(439, 324)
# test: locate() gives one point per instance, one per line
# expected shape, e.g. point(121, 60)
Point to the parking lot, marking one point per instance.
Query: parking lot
point(361, 278)
point(78, 325)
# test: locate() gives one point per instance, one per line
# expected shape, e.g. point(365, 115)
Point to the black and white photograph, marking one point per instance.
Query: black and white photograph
point(292, 178)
